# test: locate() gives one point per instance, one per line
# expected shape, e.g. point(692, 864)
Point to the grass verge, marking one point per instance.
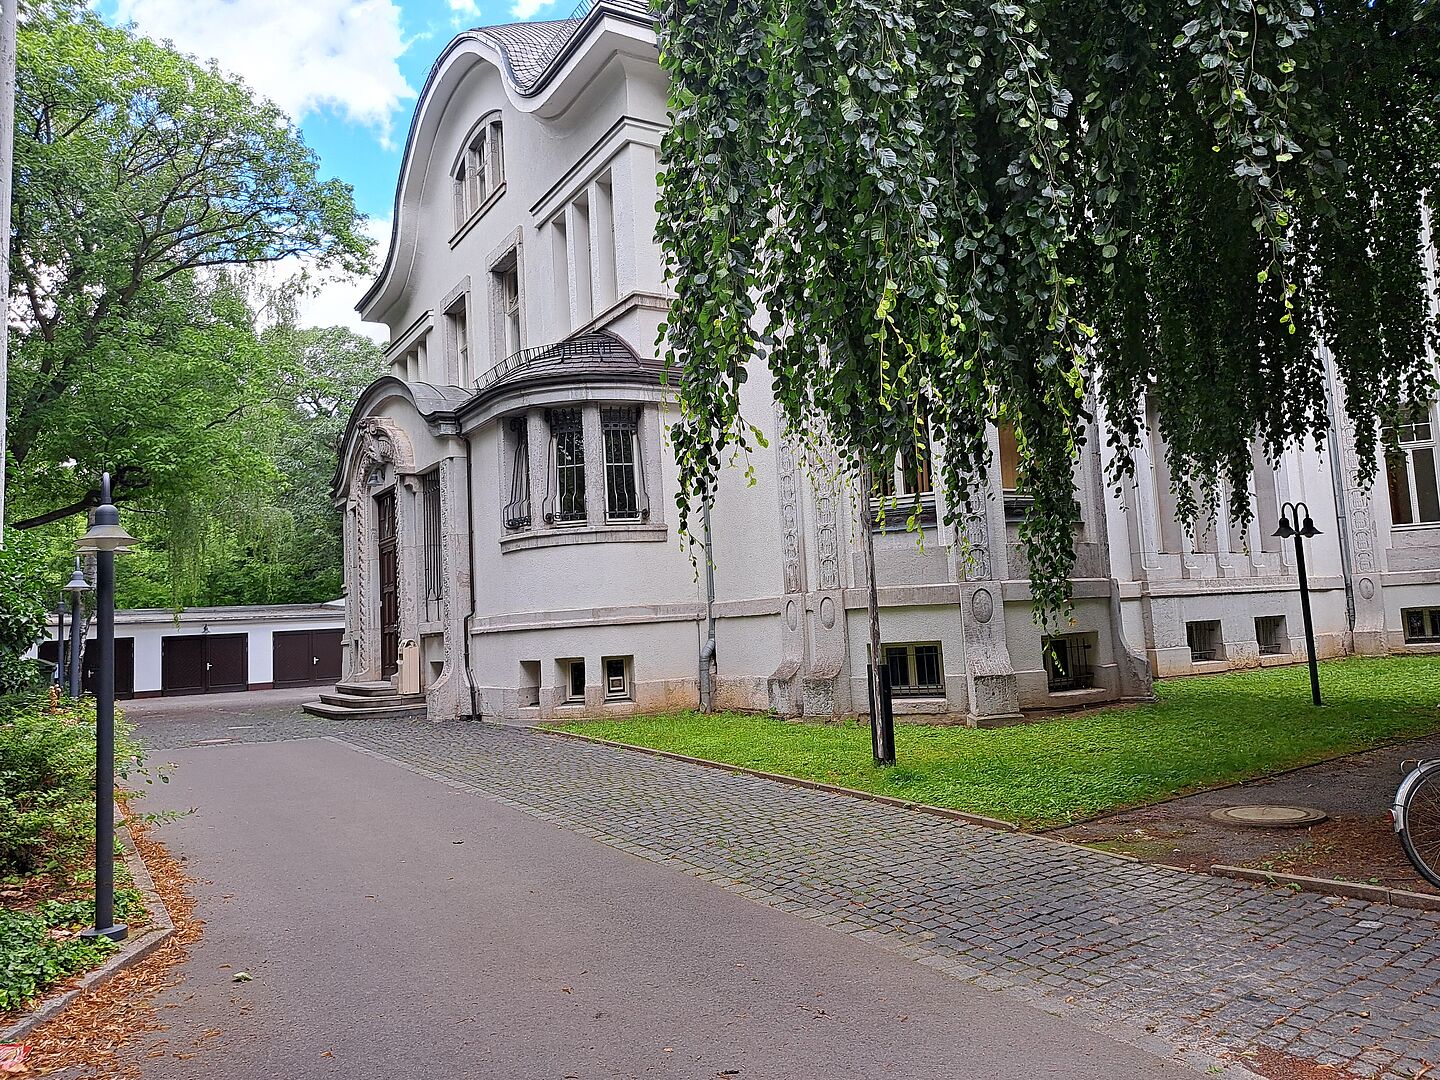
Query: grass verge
point(1201, 732)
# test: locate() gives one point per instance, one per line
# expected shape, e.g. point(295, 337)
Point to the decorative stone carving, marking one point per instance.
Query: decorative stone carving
point(827, 612)
point(792, 553)
point(827, 536)
point(975, 548)
point(982, 605)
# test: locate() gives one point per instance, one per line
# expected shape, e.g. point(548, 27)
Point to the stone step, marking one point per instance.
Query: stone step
point(374, 712)
point(367, 689)
point(356, 701)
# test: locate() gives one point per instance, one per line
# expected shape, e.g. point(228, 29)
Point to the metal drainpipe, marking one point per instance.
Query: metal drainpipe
point(707, 652)
point(1337, 484)
point(470, 542)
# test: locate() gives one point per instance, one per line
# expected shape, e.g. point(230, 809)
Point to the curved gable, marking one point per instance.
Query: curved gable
point(542, 67)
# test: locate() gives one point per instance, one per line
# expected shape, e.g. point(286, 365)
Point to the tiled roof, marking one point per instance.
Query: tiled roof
point(530, 47)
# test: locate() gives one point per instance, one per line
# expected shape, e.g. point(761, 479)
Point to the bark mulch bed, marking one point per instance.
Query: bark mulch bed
point(90, 1032)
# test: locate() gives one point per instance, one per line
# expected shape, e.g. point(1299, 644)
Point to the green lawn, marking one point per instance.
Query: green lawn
point(1201, 732)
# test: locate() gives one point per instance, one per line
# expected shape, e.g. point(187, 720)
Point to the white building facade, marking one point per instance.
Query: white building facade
point(509, 496)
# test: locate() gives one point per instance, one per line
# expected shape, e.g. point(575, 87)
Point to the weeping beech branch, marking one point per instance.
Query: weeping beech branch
point(970, 214)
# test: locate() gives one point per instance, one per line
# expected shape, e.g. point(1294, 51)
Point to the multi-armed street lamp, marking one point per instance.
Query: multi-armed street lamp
point(1291, 524)
point(105, 539)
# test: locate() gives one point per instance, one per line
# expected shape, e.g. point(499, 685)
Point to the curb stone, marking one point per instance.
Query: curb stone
point(1379, 894)
point(132, 949)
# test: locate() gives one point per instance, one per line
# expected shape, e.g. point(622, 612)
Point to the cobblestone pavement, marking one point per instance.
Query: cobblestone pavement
point(1204, 964)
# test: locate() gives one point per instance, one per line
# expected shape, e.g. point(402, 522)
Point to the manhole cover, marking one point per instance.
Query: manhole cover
point(1269, 817)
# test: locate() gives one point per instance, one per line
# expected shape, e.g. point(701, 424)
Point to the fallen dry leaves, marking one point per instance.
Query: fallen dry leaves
point(91, 1031)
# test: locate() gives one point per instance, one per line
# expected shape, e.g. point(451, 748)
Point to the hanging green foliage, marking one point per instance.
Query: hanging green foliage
point(944, 215)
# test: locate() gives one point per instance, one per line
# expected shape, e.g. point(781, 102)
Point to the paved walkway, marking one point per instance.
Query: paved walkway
point(1197, 963)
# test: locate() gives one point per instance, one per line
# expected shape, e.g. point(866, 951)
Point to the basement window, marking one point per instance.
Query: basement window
point(1204, 640)
point(575, 682)
point(617, 678)
point(915, 670)
point(1068, 662)
point(1422, 625)
point(1270, 635)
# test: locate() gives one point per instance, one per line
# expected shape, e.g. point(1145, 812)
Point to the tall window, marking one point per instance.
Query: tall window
point(430, 516)
point(508, 304)
point(479, 173)
point(565, 503)
point(1410, 471)
point(517, 510)
point(460, 342)
point(1009, 460)
point(624, 483)
point(909, 482)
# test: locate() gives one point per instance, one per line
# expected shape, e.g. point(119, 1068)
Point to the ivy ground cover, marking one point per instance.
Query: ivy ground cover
point(1201, 732)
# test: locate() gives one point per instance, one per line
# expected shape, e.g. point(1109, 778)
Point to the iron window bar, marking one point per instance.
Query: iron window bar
point(625, 495)
point(517, 510)
point(565, 500)
point(430, 516)
point(1068, 663)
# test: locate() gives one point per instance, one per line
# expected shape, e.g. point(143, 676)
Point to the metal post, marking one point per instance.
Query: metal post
point(882, 729)
point(1305, 614)
point(61, 678)
point(7, 157)
point(105, 537)
point(77, 645)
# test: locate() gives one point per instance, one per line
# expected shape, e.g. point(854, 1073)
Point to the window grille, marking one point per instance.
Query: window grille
point(915, 670)
point(565, 502)
point(1270, 634)
point(624, 478)
point(1422, 625)
point(1068, 664)
point(434, 571)
point(1203, 639)
point(517, 510)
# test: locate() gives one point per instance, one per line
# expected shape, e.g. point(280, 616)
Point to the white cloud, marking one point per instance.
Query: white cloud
point(338, 55)
point(331, 300)
point(528, 9)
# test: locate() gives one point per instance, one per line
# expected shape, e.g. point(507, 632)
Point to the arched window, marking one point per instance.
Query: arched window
point(480, 171)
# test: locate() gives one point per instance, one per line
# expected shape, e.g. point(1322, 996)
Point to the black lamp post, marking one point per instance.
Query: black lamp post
point(105, 538)
point(1291, 524)
point(77, 586)
point(61, 679)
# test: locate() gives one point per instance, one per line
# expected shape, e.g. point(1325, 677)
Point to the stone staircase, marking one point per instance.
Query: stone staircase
point(366, 701)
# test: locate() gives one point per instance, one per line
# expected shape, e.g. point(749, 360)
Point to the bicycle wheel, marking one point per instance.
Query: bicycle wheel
point(1420, 835)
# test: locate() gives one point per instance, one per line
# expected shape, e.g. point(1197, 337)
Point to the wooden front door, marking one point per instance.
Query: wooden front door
point(389, 585)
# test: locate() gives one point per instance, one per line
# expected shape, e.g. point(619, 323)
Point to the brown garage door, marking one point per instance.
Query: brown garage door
point(307, 657)
point(124, 664)
point(204, 663)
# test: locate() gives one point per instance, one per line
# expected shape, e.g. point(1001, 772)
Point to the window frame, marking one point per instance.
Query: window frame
point(894, 488)
point(1080, 675)
point(912, 687)
point(433, 541)
point(1398, 448)
point(567, 423)
point(478, 175)
point(1429, 616)
point(572, 667)
point(624, 692)
point(623, 423)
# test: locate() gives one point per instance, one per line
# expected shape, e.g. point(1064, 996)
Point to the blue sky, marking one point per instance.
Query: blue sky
point(348, 71)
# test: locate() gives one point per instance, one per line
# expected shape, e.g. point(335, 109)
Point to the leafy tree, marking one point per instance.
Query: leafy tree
point(140, 174)
point(25, 585)
point(971, 213)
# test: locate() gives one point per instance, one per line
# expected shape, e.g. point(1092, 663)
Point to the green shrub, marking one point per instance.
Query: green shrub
point(47, 784)
point(39, 948)
point(25, 580)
